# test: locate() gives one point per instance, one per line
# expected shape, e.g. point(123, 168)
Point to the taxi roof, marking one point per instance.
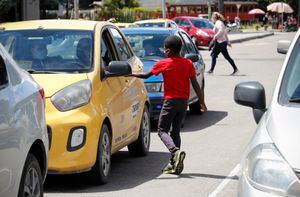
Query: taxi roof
point(53, 24)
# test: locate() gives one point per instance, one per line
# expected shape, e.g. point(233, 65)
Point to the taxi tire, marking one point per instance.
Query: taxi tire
point(97, 174)
point(139, 148)
point(31, 168)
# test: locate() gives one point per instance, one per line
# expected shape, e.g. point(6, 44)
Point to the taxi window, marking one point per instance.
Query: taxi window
point(121, 46)
point(3, 74)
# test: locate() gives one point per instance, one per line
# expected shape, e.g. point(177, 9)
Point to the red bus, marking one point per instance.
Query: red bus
point(230, 9)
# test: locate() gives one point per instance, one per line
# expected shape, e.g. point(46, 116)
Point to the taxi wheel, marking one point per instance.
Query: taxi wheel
point(32, 180)
point(101, 169)
point(141, 146)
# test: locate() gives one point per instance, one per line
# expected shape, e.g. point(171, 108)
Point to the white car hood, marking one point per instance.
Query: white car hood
point(284, 128)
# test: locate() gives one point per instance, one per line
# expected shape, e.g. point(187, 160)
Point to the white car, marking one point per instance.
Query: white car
point(271, 162)
point(23, 132)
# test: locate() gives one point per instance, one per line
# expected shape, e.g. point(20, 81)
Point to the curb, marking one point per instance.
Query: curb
point(237, 40)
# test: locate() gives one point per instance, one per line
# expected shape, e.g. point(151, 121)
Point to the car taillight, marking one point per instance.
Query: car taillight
point(42, 94)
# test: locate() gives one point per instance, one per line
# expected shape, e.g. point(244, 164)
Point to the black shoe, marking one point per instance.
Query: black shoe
point(235, 72)
point(210, 72)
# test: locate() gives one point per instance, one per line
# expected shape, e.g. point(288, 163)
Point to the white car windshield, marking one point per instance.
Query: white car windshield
point(290, 88)
point(50, 50)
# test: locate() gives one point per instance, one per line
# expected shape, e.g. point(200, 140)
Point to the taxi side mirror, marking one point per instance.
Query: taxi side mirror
point(118, 68)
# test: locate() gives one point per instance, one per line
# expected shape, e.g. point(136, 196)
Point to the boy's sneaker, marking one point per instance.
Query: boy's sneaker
point(169, 169)
point(178, 161)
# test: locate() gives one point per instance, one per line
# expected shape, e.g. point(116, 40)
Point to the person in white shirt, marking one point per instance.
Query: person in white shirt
point(221, 41)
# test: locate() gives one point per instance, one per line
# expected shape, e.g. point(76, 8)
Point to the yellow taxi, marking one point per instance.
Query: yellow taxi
point(159, 22)
point(92, 108)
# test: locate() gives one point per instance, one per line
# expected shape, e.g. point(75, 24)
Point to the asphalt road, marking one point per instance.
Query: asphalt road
point(214, 142)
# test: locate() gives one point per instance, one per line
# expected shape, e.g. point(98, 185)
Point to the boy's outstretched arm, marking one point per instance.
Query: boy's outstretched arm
point(142, 75)
point(199, 93)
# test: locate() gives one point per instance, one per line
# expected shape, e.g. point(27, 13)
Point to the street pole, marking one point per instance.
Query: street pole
point(76, 9)
point(163, 8)
point(209, 8)
point(221, 7)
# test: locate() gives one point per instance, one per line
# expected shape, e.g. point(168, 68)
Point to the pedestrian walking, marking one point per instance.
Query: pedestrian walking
point(177, 73)
point(221, 42)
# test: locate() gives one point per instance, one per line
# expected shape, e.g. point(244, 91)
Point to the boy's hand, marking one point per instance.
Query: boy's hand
point(203, 107)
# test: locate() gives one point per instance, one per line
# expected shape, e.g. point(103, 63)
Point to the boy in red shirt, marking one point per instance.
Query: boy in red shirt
point(177, 73)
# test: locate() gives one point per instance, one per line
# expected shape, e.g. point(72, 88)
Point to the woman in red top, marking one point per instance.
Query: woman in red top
point(177, 73)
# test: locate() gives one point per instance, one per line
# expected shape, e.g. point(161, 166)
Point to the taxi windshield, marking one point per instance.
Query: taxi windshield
point(50, 50)
point(148, 46)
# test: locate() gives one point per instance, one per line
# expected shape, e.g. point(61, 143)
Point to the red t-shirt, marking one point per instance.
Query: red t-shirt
point(176, 72)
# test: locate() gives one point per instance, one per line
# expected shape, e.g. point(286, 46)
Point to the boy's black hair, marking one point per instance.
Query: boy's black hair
point(173, 43)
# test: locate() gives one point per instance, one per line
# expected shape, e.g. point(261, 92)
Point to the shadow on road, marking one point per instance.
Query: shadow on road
point(126, 172)
point(198, 122)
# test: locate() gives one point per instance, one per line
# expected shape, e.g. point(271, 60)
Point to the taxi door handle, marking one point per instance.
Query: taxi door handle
point(126, 81)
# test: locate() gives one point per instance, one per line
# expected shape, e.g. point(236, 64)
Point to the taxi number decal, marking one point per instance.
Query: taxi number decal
point(135, 108)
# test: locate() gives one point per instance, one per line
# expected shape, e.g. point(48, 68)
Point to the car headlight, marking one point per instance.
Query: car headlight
point(154, 87)
point(73, 96)
point(202, 33)
point(267, 171)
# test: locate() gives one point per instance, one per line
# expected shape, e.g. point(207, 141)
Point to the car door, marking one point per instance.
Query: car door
point(130, 91)
point(191, 49)
point(113, 88)
point(6, 133)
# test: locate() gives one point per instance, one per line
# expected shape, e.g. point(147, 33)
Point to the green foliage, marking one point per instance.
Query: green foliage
point(128, 15)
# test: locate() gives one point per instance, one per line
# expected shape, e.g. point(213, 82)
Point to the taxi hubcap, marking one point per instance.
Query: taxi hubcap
point(146, 129)
point(105, 154)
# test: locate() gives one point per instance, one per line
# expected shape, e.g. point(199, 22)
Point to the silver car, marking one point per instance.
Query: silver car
point(23, 132)
point(271, 163)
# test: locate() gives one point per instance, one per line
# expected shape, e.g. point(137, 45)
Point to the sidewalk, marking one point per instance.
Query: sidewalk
point(244, 36)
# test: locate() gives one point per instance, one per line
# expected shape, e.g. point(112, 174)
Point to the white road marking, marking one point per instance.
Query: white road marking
point(233, 173)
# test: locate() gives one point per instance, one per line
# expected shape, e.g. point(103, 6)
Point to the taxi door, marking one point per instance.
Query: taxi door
point(131, 91)
point(113, 89)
